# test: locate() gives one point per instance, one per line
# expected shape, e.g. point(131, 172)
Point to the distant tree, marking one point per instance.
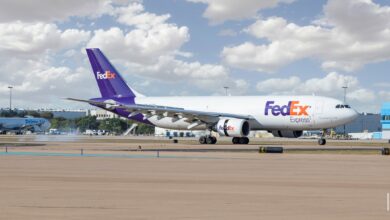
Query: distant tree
point(21, 114)
point(144, 129)
point(34, 114)
point(8, 113)
point(113, 125)
point(60, 123)
point(87, 122)
point(47, 115)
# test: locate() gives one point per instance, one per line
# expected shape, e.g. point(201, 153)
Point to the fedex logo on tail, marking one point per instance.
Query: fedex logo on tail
point(293, 108)
point(106, 75)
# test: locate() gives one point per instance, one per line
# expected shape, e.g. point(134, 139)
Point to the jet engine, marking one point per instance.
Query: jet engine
point(232, 127)
point(287, 133)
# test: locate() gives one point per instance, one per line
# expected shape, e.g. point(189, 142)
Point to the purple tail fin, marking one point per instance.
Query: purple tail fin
point(110, 82)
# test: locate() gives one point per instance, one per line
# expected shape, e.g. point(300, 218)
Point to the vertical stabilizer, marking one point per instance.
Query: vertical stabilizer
point(110, 82)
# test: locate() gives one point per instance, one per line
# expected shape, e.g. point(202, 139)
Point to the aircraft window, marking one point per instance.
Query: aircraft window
point(342, 106)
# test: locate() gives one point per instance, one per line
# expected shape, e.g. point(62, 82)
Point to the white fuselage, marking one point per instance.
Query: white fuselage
point(268, 112)
point(8, 124)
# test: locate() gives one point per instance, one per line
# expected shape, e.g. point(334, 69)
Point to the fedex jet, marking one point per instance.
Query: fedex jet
point(231, 116)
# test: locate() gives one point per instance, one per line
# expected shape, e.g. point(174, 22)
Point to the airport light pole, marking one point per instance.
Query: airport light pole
point(226, 89)
point(345, 102)
point(345, 94)
point(10, 97)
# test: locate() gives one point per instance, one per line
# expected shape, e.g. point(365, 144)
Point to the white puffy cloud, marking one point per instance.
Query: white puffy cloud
point(167, 67)
point(38, 84)
point(30, 53)
point(134, 14)
point(219, 11)
point(139, 45)
point(48, 10)
point(330, 86)
point(208, 77)
point(278, 84)
point(29, 56)
point(152, 50)
point(362, 95)
point(30, 39)
point(151, 37)
point(351, 34)
point(362, 18)
point(43, 58)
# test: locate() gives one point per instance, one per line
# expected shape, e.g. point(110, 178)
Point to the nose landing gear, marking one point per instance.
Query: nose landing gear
point(322, 140)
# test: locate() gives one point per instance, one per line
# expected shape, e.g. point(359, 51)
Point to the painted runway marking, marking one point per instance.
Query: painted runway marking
point(99, 155)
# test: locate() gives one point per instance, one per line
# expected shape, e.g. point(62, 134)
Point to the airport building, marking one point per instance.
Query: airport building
point(74, 114)
point(366, 122)
point(64, 113)
point(68, 114)
point(385, 121)
point(101, 114)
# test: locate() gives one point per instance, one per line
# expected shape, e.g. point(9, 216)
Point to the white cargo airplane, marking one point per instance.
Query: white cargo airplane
point(18, 125)
point(231, 116)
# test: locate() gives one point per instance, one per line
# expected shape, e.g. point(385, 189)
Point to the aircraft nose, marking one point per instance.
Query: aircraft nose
point(46, 125)
point(353, 114)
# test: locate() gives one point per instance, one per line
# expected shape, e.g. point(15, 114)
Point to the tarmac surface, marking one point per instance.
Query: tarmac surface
point(48, 177)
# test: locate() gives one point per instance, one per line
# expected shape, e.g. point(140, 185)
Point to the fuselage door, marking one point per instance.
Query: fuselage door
point(319, 108)
point(318, 112)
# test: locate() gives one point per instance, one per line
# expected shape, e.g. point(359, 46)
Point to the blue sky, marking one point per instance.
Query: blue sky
point(196, 47)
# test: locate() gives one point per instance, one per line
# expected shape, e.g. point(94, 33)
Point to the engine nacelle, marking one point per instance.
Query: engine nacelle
point(287, 133)
point(232, 127)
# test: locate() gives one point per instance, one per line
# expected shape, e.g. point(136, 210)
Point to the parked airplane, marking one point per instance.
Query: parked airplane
point(232, 116)
point(18, 125)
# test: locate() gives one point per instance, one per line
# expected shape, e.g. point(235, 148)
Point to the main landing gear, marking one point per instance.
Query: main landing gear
point(322, 140)
point(240, 140)
point(208, 139)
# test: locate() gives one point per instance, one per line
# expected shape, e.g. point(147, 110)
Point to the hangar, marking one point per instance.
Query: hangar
point(385, 120)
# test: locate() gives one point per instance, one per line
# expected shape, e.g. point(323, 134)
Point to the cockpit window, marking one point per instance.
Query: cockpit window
point(342, 106)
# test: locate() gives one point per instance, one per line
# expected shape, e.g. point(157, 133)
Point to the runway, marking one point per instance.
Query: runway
point(52, 180)
point(144, 156)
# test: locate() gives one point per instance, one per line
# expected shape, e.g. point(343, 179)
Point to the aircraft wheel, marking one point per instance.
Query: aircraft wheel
point(214, 140)
point(322, 141)
point(244, 140)
point(236, 140)
point(211, 140)
point(202, 140)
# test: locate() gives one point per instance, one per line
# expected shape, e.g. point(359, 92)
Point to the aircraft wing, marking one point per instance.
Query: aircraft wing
point(191, 116)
